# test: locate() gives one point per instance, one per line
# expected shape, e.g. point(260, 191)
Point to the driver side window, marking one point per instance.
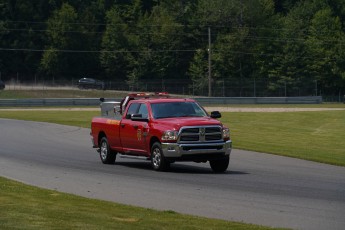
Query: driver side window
point(143, 111)
point(133, 108)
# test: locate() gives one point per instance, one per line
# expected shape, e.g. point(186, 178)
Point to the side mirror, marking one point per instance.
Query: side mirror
point(138, 117)
point(216, 114)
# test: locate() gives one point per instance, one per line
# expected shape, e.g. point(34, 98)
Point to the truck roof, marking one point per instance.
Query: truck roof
point(152, 97)
point(156, 97)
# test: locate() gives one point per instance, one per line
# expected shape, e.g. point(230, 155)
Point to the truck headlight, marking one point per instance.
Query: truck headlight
point(170, 135)
point(226, 133)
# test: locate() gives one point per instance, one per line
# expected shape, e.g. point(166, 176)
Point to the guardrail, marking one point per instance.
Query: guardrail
point(49, 102)
point(201, 100)
point(260, 100)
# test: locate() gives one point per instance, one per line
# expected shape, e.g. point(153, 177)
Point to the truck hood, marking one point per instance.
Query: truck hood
point(177, 123)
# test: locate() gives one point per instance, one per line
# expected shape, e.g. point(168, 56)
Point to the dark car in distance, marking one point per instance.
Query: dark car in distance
point(2, 85)
point(90, 83)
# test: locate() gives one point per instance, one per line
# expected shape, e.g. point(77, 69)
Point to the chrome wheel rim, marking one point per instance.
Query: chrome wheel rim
point(104, 150)
point(156, 158)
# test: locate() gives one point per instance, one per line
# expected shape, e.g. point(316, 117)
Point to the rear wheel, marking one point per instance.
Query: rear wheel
point(106, 154)
point(158, 161)
point(220, 165)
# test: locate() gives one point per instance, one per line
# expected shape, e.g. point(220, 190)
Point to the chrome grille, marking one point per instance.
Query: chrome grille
point(200, 134)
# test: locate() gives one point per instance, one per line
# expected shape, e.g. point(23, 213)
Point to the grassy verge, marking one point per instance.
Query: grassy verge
point(27, 207)
point(73, 118)
point(316, 136)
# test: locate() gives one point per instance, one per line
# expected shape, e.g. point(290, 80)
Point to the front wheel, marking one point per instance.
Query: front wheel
point(158, 161)
point(220, 165)
point(106, 154)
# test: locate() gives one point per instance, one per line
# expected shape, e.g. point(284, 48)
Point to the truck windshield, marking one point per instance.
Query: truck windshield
point(177, 109)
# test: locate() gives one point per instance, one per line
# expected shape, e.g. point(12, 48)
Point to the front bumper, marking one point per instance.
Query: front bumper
point(175, 150)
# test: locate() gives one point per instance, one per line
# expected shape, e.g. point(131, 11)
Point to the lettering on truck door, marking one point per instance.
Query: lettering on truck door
point(133, 133)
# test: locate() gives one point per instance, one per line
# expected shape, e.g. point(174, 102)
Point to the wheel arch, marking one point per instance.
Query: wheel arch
point(153, 140)
point(100, 136)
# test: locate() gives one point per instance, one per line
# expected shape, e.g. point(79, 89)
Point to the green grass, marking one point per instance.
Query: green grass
point(28, 207)
point(315, 136)
point(73, 118)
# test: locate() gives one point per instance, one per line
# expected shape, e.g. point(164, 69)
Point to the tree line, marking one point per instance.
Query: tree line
point(222, 43)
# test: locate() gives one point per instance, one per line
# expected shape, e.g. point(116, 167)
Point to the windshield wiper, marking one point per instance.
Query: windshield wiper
point(190, 115)
point(165, 117)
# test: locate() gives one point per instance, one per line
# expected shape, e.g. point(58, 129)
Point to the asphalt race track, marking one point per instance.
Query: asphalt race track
point(258, 188)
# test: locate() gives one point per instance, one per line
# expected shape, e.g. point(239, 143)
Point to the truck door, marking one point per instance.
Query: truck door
point(133, 133)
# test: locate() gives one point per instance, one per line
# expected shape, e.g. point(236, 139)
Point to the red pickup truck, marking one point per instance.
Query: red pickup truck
point(161, 129)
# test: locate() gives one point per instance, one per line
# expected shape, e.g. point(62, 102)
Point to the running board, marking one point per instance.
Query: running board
point(134, 157)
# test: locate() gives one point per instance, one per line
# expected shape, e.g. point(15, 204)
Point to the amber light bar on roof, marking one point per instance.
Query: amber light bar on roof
point(148, 95)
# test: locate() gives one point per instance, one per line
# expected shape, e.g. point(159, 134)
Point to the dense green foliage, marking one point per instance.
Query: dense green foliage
point(287, 48)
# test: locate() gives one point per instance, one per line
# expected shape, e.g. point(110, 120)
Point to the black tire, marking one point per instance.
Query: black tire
point(158, 161)
point(220, 165)
point(106, 154)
